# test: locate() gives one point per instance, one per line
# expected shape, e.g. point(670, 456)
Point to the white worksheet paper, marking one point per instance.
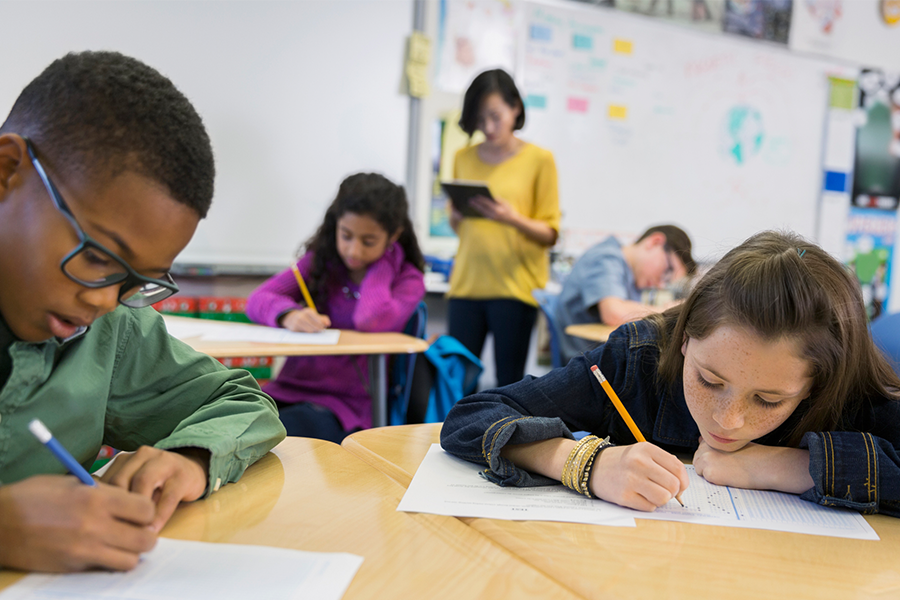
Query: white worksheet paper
point(212, 331)
point(447, 485)
point(757, 509)
point(180, 570)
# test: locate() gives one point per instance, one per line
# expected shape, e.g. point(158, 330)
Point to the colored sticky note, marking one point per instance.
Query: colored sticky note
point(535, 101)
point(835, 181)
point(582, 42)
point(579, 105)
point(622, 46)
point(617, 111)
point(541, 33)
point(843, 93)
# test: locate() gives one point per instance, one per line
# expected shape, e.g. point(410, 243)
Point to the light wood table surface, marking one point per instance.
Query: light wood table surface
point(375, 345)
point(662, 559)
point(313, 495)
point(594, 332)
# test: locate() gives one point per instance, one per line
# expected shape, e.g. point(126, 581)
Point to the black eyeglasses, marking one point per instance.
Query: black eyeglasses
point(94, 266)
point(670, 269)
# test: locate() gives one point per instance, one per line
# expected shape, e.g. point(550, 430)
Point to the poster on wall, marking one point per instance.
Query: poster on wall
point(448, 138)
point(869, 248)
point(761, 19)
point(473, 36)
point(876, 180)
point(865, 32)
point(700, 14)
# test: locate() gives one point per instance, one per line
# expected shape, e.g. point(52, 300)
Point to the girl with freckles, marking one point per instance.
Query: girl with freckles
point(767, 374)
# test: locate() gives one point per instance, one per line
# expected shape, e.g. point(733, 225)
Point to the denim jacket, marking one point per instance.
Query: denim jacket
point(856, 467)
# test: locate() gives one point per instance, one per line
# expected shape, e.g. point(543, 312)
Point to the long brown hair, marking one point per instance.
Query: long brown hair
point(776, 284)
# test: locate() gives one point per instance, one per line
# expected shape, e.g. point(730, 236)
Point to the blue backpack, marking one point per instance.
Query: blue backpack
point(447, 373)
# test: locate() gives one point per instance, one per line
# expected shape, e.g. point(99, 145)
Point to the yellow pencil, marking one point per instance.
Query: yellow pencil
point(303, 290)
point(604, 383)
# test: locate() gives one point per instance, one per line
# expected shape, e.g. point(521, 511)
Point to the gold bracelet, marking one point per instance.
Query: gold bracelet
point(574, 463)
point(586, 471)
point(570, 470)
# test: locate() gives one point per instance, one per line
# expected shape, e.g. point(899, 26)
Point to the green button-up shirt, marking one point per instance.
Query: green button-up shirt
point(126, 382)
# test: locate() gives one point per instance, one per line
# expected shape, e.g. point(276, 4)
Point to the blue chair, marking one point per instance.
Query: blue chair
point(547, 303)
point(403, 367)
point(886, 334)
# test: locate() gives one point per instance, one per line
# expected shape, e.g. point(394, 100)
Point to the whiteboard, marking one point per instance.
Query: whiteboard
point(295, 95)
point(653, 123)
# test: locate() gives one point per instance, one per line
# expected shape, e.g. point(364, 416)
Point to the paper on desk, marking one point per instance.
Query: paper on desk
point(756, 509)
point(212, 331)
point(177, 570)
point(446, 485)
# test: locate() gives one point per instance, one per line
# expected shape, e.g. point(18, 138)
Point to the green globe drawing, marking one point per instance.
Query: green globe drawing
point(741, 133)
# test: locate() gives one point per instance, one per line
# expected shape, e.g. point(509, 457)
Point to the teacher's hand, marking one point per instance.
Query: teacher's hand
point(455, 218)
point(496, 210)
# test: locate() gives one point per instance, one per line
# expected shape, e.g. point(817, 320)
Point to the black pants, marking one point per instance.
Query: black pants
point(511, 323)
point(305, 419)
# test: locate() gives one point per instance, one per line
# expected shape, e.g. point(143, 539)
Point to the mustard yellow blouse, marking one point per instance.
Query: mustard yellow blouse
point(495, 260)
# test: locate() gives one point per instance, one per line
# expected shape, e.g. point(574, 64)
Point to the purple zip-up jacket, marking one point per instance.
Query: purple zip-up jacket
point(384, 301)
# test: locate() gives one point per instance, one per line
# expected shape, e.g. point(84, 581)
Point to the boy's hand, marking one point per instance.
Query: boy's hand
point(755, 467)
point(305, 320)
point(641, 476)
point(56, 523)
point(165, 477)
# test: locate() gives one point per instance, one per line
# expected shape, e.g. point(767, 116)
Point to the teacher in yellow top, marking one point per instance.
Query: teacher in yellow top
point(503, 256)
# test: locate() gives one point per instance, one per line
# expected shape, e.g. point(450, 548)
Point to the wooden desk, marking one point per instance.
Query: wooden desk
point(313, 495)
point(375, 345)
point(660, 559)
point(594, 332)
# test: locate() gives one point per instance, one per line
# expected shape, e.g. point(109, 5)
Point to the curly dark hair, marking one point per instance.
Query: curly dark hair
point(103, 113)
point(366, 194)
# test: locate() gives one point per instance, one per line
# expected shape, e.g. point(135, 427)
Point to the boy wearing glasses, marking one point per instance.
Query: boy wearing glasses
point(105, 171)
point(606, 282)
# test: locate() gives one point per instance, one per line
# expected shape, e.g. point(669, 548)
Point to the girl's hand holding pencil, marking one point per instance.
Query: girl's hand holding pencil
point(305, 320)
point(642, 476)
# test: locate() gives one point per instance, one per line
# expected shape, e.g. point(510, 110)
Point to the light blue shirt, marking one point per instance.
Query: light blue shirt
point(600, 273)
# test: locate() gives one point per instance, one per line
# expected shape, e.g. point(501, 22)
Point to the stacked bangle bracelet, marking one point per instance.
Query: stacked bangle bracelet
point(577, 470)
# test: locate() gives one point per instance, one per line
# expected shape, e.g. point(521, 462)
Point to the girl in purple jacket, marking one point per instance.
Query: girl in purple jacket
point(364, 270)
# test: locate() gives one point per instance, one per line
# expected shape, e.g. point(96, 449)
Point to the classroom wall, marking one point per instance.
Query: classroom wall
point(296, 95)
point(649, 122)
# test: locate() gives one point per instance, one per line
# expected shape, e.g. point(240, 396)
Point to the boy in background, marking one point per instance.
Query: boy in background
point(105, 171)
point(606, 282)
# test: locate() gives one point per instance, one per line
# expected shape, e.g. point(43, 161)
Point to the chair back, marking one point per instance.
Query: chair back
point(547, 303)
point(886, 335)
point(403, 368)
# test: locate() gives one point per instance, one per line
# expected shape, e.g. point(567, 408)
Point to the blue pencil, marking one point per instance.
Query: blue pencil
point(44, 436)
